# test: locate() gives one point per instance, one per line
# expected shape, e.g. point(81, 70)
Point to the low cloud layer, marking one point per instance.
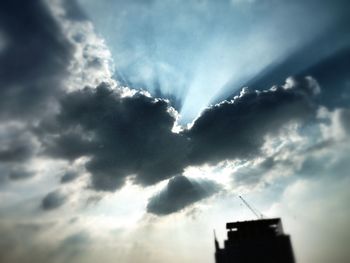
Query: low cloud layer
point(179, 193)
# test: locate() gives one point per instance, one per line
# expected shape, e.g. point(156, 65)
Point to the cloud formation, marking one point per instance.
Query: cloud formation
point(133, 135)
point(236, 128)
point(123, 136)
point(53, 200)
point(62, 116)
point(179, 193)
point(33, 61)
point(122, 133)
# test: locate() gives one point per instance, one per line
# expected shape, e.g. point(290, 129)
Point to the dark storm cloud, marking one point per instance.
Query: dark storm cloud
point(53, 200)
point(69, 145)
point(180, 193)
point(123, 136)
point(132, 136)
point(33, 60)
point(236, 129)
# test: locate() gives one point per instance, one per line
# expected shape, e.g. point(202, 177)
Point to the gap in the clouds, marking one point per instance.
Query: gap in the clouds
point(190, 52)
point(156, 91)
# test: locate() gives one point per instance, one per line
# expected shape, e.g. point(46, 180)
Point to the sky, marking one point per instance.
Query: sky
point(128, 129)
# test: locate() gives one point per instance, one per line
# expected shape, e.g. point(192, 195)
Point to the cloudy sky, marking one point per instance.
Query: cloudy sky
point(128, 129)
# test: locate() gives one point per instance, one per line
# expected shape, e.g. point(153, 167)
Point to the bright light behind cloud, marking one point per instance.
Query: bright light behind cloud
point(94, 170)
point(189, 50)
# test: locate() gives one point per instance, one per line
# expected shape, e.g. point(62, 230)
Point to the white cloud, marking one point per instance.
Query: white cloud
point(91, 62)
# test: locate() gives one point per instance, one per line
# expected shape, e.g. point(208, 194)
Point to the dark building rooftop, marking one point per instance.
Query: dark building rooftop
point(255, 241)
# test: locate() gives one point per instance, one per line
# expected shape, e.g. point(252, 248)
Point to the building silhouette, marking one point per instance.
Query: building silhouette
point(255, 241)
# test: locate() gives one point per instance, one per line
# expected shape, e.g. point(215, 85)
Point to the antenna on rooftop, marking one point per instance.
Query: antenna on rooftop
point(254, 211)
point(217, 247)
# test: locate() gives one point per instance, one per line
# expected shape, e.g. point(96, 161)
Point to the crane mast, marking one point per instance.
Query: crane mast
point(254, 211)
